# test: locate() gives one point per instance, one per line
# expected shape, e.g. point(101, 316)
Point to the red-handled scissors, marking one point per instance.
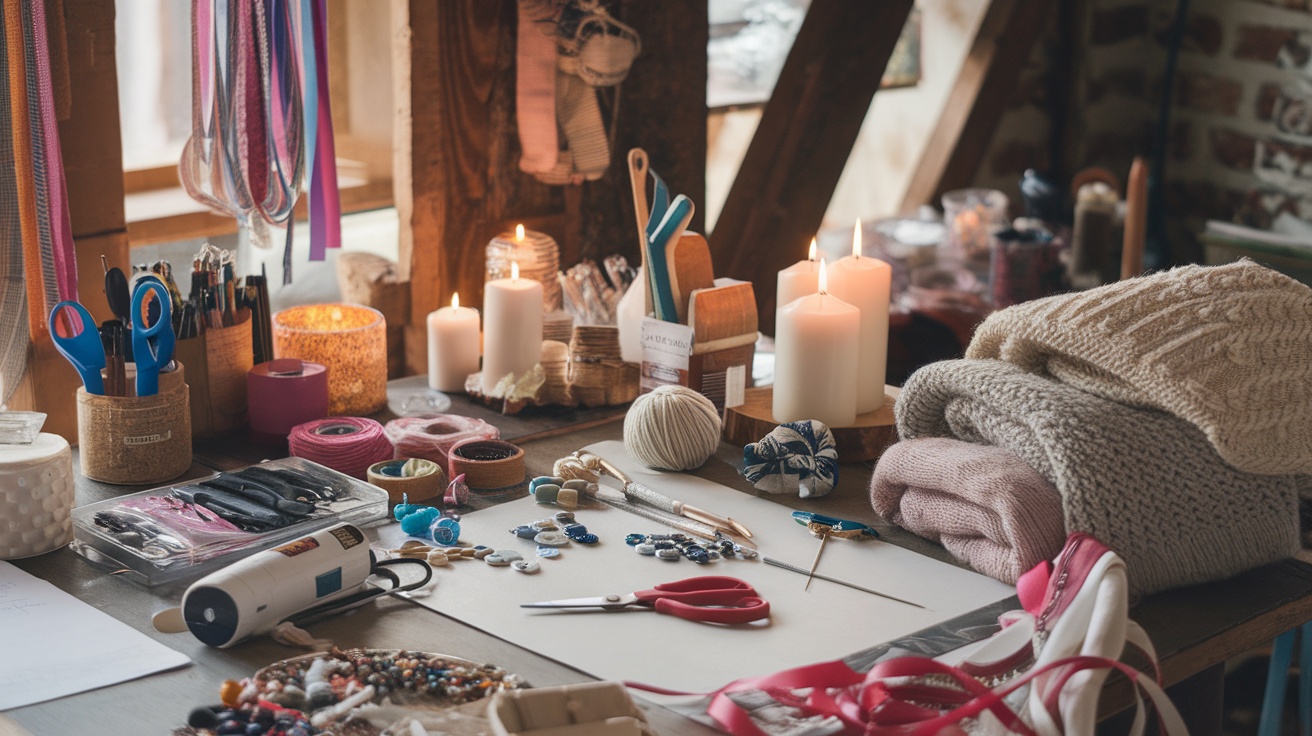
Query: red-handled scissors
point(712, 598)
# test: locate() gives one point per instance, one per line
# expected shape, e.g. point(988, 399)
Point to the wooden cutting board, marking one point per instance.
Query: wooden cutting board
point(690, 269)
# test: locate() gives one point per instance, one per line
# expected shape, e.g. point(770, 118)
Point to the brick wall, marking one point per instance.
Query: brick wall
point(1240, 143)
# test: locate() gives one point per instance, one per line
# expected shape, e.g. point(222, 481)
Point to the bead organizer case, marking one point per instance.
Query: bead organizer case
point(185, 530)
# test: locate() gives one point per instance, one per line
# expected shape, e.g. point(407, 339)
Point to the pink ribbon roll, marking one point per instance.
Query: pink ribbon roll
point(433, 437)
point(348, 445)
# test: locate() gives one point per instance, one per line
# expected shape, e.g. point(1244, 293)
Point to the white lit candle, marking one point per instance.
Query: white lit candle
point(452, 346)
point(797, 280)
point(815, 359)
point(864, 283)
point(512, 311)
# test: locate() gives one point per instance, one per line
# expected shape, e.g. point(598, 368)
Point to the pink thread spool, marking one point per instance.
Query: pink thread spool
point(348, 445)
point(283, 393)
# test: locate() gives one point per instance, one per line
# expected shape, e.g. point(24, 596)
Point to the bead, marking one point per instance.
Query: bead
point(664, 545)
point(528, 567)
point(548, 552)
point(457, 492)
point(542, 480)
point(524, 531)
point(646, 548)
point(438, 558)
point(202, 717)
point(230, 693)
point(255, 729)
point(467, 552)
point(545, 525)
point(482, 551)
point(552, 539)
point(635, 539)
point(231, 728)
point(572, 529)
point(445, 532)
point(588, 538)
point(747, 553)
point(564, 517)
point(503, 557)
point(568, 498)
point(546, 493)
point(668, 554)
point(405, 508)
point(577, 484)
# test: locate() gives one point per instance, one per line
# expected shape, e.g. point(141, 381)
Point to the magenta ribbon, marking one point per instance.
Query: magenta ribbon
point(61, 228)
point(325, 199)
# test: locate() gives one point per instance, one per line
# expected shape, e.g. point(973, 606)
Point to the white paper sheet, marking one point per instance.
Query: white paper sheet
point(55, 645)
point(827, 622)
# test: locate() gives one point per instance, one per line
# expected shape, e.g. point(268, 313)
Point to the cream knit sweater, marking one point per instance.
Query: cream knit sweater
point(1227, 348)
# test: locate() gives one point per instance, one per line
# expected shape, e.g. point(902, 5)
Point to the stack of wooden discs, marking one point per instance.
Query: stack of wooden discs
point(558, 326)
point(599, 376)
point(555, 367)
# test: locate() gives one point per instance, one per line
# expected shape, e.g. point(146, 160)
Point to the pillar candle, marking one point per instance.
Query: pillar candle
point(512, 311)
point(452, 346)
point(815, 359)
point(797, 280)
point(864, 283)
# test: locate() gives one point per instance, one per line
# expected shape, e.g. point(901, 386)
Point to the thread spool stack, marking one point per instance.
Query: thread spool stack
point(488, 465)
point(672, 428)
point(555, 371)
point(598, 374)
point(432, 438)
point(348, 445)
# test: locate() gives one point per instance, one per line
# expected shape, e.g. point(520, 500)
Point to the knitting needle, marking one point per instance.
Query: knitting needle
point(854, 586)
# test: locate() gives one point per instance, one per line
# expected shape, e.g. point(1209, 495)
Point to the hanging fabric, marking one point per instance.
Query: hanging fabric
point(38, 266)
point(261, 122)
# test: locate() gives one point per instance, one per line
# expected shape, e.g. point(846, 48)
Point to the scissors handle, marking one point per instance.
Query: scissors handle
point(79, 343)
point(712, 598)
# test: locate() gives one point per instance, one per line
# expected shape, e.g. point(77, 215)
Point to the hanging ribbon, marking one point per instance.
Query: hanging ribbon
point(261, 124)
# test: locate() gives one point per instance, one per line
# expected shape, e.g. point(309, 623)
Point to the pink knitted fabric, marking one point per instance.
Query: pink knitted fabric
point(984, 504)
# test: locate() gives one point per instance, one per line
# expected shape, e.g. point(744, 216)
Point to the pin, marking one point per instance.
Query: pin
point(826, 526)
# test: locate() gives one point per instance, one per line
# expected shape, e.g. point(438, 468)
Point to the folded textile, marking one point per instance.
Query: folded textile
point(982, 503)
point(1228, 348)
point(1144, 482)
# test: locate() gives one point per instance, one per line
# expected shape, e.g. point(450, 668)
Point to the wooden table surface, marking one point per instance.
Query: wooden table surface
point(1193, 629)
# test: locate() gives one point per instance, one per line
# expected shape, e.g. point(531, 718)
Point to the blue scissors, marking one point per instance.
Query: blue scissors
point(81, 345)
point(152, 343)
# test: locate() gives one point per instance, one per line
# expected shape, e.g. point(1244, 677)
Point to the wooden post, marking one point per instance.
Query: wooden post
point(804, 139)
point(980, 95)
point(457, 181)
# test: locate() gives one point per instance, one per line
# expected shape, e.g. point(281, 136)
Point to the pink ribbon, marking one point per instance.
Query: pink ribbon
point(61, 228)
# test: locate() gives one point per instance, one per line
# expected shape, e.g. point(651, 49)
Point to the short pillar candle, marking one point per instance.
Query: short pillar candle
point(347, 339)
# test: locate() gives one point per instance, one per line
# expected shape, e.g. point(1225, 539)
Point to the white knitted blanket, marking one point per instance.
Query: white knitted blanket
point(1145, 483)
point(1228, 348)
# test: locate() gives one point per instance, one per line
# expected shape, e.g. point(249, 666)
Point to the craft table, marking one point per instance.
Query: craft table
point(1195, 630)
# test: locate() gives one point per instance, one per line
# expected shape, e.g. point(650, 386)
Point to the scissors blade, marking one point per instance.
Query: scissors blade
point(615, 602)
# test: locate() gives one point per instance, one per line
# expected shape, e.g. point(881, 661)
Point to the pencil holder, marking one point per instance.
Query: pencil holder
point(135, 440)
point(219, 359)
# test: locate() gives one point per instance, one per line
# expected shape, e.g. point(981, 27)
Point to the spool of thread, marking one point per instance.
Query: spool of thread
point(36, 496)
point(488, 464)
point(432, 437)
point(348, 445)
point(282, 394)
point(413, 478)
point(672, 428)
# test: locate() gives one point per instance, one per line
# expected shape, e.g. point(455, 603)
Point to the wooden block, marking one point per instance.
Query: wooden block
point(722, 313)
point(862, 442)
point(689, 264)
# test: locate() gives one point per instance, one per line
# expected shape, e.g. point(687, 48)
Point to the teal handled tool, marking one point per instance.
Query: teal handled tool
point(666, 233)
point(79, 342)
point(825, 527)
point(152, 341)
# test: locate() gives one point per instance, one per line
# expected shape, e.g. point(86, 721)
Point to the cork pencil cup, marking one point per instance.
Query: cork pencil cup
point(136, 440)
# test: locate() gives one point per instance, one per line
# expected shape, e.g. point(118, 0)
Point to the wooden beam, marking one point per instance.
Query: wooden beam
point(982, 92)
point(806, 134)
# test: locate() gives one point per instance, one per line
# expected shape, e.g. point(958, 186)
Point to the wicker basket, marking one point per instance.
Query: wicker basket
point(136, 440)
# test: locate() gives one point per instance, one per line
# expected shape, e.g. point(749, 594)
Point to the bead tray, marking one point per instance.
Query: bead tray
point(194, 555)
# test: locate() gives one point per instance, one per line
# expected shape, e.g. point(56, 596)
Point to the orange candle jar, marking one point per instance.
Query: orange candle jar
point(350, 340)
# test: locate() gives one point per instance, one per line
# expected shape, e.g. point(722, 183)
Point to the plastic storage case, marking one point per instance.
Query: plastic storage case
point(166, 544)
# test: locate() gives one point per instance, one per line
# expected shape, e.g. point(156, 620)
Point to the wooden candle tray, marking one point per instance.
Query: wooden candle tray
point(862, 442)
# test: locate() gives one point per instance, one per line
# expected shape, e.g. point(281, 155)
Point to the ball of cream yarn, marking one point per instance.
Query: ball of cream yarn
point(672, 428)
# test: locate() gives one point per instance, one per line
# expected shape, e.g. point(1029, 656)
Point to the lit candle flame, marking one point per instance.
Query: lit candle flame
point(519, 233)
point(810, 254)
point(514, 270)
point(824, 280)
point(856, 239)
point(455, 300)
